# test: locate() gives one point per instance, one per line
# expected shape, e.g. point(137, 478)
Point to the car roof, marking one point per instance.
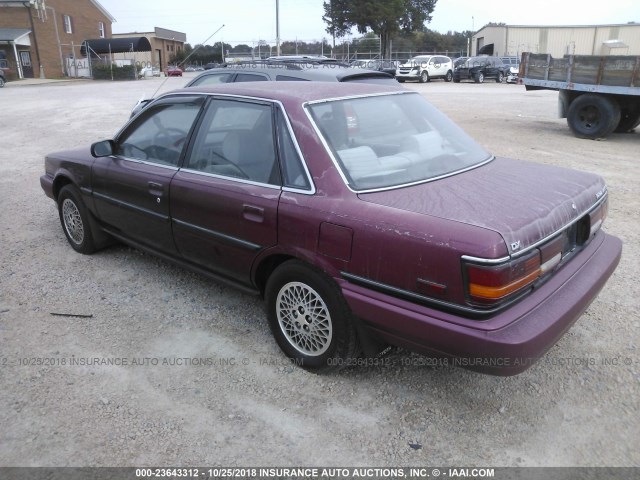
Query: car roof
point(297, 92)
point(314, 72)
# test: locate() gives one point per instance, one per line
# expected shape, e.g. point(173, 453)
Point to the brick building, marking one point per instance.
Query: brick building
point(41, 38)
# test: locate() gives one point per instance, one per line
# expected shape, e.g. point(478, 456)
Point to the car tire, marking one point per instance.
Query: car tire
point(456, 80)
point(309, 317)
point(400, 80)
point(593, 116)
point(424, 76)
point(75, 221)
point(478, 77)
point(629, 120)
point(500, 77)
point(1, 82)
point(449, 76)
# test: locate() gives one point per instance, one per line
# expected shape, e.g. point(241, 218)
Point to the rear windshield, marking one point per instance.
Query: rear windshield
point(391, 140)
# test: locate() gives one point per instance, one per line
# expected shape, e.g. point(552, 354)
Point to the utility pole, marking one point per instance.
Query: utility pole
point(278, 27)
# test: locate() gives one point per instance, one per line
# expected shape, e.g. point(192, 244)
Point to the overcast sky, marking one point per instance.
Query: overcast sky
point(247, 21)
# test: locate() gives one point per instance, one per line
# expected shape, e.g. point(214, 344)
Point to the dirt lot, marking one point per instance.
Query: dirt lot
point(579, 406)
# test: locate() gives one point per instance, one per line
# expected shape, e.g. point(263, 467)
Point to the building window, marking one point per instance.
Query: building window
point(66, 21)
point(101, 29)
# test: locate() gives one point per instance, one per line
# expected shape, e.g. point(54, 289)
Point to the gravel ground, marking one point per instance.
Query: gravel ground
point(578, 406)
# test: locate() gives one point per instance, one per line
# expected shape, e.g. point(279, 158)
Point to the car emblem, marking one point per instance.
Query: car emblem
point(515, 245)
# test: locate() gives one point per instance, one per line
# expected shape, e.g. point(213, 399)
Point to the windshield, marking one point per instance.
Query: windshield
point(391, 140)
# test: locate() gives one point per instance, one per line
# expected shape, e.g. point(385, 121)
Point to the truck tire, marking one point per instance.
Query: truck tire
point(478, 77)
point(629, 119)
point(593, 116)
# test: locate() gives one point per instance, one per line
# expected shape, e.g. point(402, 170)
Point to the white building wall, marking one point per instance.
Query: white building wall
point(559, 41)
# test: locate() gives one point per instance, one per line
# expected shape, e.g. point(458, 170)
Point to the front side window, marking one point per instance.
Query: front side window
point(392, 140)
point(68, 24)
point(160, 135)
point(236, 139)
point(101, 29)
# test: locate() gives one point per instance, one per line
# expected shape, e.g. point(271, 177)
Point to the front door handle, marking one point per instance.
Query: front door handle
point(252, 213)
point(156, 189)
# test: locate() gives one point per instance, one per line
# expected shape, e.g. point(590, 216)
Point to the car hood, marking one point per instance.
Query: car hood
point(524, 202)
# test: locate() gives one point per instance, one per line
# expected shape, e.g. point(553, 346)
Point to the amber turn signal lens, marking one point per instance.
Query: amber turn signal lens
point(494, 283)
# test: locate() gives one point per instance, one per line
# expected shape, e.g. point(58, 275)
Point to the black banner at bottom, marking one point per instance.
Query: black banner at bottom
point(322, 473)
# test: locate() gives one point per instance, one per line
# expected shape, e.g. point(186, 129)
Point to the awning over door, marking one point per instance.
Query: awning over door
point(116, 45)
point(16, 36)
point(486, 50)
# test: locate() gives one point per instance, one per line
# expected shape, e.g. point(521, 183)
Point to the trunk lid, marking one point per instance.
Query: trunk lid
point(522, 201)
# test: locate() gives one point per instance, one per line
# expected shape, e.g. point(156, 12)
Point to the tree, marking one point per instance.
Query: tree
point(383, 17)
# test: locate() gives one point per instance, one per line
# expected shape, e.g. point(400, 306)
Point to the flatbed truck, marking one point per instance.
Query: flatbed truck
point(598, 95)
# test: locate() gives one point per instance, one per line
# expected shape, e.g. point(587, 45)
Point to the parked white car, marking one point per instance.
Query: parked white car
point(424, 68)
point(514, 67)
point(149, 72)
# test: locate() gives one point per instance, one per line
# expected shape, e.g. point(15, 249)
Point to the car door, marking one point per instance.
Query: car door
point(131, 187)
point(438, 67)
point(492, 68)
point(224, 200)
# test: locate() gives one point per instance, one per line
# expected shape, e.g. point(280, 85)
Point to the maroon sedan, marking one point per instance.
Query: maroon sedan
point(174, 72)
point(360, 213)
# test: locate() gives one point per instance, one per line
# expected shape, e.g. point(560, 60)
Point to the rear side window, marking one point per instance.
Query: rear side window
point(287, 78)
point(293, 171)
point(236, 139)
point(213, 79)
point(247, 77)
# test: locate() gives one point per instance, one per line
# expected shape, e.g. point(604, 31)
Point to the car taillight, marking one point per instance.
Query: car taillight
point(490, 285)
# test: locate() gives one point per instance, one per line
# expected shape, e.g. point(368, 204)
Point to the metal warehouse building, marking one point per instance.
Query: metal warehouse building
point(512, 40)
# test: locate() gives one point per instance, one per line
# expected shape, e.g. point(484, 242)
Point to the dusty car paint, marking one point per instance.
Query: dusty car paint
point(397, 255)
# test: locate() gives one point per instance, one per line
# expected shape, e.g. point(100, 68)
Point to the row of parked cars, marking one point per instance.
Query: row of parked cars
point(424, 68)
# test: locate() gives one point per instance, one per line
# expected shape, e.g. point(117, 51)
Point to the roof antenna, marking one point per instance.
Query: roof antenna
point(187, 58)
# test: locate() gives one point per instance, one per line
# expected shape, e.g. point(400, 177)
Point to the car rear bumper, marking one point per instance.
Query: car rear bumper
point(507, 343)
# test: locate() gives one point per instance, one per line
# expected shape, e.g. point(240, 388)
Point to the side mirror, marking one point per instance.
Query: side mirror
point(103, 148)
